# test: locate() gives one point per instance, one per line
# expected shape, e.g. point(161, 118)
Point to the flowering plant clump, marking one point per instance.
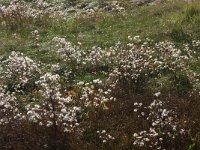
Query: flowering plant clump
point(104, 136)
point(55, 109)
point(80, 59)
point(19, 72)
point(50, 105)
point(19, 12)
point(140, 63)
point(163, 125)
point(96, 94)
point(135, 65)
point(8, 108)
point(54, 105)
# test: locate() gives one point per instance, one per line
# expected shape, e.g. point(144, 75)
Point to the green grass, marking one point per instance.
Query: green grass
point(178, 22)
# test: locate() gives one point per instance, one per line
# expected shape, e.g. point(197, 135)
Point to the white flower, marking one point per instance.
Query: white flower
point(135, 135)
point(157, 94)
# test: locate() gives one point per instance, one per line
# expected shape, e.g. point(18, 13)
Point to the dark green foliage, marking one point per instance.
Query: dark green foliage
point(195, 145)
point(178, 34)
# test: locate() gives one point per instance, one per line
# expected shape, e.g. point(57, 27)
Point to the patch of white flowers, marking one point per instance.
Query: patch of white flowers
point(56, 108)
point(8, 107)
point(132, 63)
point(19, 70)
point(95, 94)
point(52, 105)
point(149, 61)
point(104, 136)
point(21, 11)
point(17, 12)
point(163, 125)
point(52, 108)
point(80, 58)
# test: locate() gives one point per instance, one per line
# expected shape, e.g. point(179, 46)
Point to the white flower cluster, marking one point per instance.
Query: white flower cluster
point(19, 11)
point(48, 107)
point(19, 70)
point(133, 63)
point(95, 94)
point(114, 6)
point(49, 104)
point(55, 108)
point(36, 36)
point(196, 43)
point(163, 125)
point(67, 51)
point(8, 107)
point(104, 136)
point(146, 61)
point(76, 56)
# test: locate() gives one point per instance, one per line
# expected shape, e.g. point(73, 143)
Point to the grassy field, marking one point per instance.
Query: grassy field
point(175, 21)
